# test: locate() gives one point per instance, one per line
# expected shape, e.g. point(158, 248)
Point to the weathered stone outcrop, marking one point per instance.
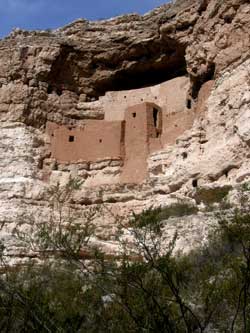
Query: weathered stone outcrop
point(62, 76)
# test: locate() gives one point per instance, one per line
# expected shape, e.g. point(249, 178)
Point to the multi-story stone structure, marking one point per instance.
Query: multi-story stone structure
point(136, 123)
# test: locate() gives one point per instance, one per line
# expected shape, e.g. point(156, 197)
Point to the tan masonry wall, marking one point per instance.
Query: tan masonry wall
point(145, 130)
point(170, 96)
point(95, 140)
point(131, 132)
point(175, 124)
point(136, 145)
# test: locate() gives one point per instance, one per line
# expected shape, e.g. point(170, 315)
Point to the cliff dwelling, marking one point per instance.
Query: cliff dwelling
point(136, 123)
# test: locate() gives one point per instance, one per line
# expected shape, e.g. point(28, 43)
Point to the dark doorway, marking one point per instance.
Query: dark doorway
point(155, 117)
point(189, 104)
point(195, 183)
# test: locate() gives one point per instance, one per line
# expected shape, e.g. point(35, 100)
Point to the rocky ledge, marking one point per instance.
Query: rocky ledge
point(62, 76)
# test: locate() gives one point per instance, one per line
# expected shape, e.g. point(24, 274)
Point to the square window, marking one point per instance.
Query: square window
point(134, 114)
point(71, 138)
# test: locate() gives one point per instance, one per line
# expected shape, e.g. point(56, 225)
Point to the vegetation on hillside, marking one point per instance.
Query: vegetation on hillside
point(149, 288)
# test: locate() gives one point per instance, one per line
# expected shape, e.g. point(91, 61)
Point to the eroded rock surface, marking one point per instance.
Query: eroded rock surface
point(67, 76)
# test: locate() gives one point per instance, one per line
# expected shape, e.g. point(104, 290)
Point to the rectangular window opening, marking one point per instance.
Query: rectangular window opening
point(134, 114)
point(155, 117)
point(189, 104)
point(71, 138)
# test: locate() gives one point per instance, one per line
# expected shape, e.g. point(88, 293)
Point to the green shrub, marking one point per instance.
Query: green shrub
point(177, 210)
point(211, 195)
point(206, 290)
point(154, 216)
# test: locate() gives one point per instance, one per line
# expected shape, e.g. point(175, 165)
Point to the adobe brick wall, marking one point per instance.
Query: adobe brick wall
point(154, 120)
point(155, 144)
point(145, 130)
point(97, 139)
point(170, 96)
point(142, 128)
point(175, 124)
point(140, 137)
point(136, 145)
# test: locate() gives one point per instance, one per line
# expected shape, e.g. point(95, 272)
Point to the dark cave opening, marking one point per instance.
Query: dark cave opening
point(139, 78)
point(49, 89)
point(149, 64)
point(54, 89)
point(157, 66)
point(203, 6)
point(59, 91)
point(63, 74)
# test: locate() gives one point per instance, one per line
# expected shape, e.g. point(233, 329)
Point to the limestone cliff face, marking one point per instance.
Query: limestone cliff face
point(66, 76)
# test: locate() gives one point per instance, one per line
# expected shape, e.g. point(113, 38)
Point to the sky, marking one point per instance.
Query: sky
point(51, 14)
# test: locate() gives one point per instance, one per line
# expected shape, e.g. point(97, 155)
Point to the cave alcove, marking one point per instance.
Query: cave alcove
point(153, 65)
